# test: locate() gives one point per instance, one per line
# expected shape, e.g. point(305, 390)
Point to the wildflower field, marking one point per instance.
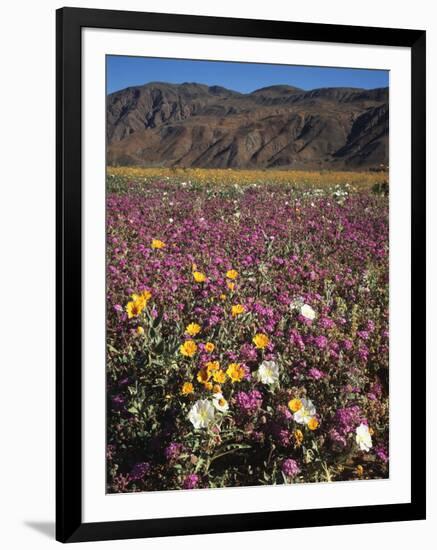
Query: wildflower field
point(247, 328)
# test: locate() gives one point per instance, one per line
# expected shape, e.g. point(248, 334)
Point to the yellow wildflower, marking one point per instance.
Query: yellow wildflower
point(140, 330)
point(208, 386)
point(359, 470)
point(237, 309)
point(313, 423)
point(235, 372)
point(203, 376)
point(209, 347)
point(219, 376)
point(294, 405)
point(217, 388)
point(146, 295)
point(260, 340)
point(222, 297)
point(231, 286)
point(298, 438)
point(187, 388)
point(193, 329)
point(188, 348)
point(199, 277)
point(135, 307)
point(156, 243)
point(212, 366)
point(232, 274)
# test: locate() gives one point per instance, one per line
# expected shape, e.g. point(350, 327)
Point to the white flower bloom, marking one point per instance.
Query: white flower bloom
point(297, 303)
point(268, 372)
point(201, 414)
point(308, 312)
point(305, 413)
point(363, 437)
point(220, 402)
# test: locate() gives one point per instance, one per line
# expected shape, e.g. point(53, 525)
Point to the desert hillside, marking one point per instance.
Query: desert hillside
point(194, 125)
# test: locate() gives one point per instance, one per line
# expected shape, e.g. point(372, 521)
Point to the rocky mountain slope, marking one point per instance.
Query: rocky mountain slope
point(194, 125)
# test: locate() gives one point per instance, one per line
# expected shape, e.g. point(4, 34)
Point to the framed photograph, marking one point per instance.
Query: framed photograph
point(240, 274)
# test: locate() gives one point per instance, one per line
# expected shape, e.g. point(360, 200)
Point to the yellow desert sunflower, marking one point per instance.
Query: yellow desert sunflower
point(261, 340)
point(237, 309)
point(188, 348)
point(193, 329)
point(236, 372)
point(232, 274)
point(199, 277)
point(157, 244)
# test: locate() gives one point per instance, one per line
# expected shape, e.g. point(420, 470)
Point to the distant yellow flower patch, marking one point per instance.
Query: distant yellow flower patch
point(227, 177)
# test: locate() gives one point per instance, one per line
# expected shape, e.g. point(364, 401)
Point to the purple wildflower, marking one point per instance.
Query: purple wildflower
point(321, 342)
point(172, 451)
point(290, 467)
point(338, 441)
point(326, 322)
point(382, 453)
point(191, 481)
point(347, 344)
point(284, 413)
point(139, 470)
point(248, 353)
point(315, 373)
point(248, 402)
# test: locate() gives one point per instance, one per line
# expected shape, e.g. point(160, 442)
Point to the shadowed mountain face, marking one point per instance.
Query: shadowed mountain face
point(194, 125)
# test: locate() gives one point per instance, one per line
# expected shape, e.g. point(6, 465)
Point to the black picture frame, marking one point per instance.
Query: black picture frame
point(69, 524)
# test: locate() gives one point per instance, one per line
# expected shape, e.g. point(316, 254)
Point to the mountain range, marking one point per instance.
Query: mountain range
point(195, 125)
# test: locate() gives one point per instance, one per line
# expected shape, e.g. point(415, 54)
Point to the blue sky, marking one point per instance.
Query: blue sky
point(125, 71)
